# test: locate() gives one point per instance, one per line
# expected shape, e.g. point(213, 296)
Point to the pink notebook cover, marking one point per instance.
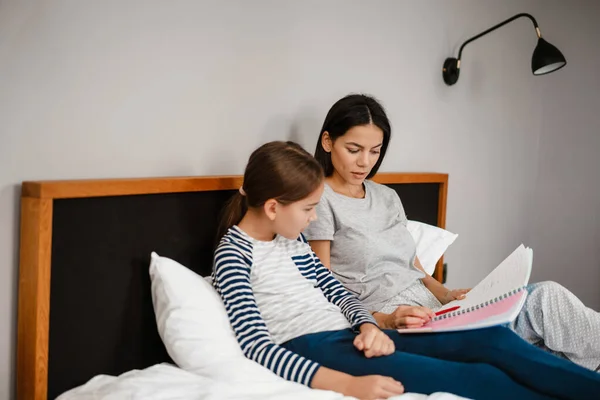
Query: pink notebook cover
point(501, 312)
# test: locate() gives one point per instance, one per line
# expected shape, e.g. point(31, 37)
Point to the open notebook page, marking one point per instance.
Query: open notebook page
point(498, 313)
point(511, 274)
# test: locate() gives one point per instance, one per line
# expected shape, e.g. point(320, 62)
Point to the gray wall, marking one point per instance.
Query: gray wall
point(564, 226)
point(105, 89)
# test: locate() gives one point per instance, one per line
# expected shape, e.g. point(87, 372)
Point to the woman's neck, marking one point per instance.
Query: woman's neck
point(257, 226)
point(340, 186)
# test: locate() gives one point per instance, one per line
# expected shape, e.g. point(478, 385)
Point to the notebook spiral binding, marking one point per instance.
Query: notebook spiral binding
point(478, 306)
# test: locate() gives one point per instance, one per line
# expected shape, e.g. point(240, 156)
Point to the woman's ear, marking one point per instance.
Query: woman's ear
point(270, 208)
point(326, 142)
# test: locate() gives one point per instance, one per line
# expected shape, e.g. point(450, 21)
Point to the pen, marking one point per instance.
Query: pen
point(447, 311)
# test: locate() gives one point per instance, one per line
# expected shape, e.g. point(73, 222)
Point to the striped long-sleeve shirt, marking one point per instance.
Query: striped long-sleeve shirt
point(276, 291)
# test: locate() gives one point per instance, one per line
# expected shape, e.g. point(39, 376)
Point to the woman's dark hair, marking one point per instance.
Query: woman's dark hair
point(283, 171)
point(348, 112)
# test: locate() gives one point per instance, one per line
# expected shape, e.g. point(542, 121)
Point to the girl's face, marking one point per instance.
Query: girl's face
point(292, 219)
point(354, 154)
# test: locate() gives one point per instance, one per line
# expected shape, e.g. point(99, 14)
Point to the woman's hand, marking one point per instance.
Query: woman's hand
point(373, 342)
point(405, 317)
point(373, 387)
point(451, 295)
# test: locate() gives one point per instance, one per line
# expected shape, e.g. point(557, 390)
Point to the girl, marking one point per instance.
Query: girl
point(292, 316)
point(357, 214)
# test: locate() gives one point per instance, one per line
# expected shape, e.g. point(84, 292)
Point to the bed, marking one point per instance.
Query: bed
point(85, 307)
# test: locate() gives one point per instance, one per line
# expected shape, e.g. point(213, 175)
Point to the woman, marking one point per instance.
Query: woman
point(361, 235)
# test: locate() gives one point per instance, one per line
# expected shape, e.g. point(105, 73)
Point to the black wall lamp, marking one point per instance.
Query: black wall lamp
point(546, 58)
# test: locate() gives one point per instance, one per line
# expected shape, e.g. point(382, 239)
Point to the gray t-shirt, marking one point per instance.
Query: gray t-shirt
point(372, 252)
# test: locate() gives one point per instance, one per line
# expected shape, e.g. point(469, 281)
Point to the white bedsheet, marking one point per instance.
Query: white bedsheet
point(165, 381)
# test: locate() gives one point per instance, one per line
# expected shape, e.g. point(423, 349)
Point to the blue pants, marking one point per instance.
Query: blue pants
point(492, 363)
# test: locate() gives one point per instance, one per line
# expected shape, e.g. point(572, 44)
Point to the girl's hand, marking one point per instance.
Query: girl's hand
point(405, 317)
point(456, 294)
point(373, 387)
point(362, 387)
point(373, 342)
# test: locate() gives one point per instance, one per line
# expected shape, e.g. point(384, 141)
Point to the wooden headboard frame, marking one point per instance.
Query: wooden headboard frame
point(36, 246)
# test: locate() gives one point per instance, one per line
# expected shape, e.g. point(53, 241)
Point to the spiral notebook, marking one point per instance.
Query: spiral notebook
point(496, 300)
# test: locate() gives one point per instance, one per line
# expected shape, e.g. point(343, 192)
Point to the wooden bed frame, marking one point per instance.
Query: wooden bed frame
point(61, 217)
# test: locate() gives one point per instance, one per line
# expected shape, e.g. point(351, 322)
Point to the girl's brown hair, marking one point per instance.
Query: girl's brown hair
point(283, 171)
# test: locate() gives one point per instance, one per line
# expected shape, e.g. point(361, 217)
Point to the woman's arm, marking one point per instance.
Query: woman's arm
point(443, 294)
point(322, 249)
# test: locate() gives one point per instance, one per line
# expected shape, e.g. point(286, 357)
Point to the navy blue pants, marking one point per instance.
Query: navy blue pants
point(492, 363)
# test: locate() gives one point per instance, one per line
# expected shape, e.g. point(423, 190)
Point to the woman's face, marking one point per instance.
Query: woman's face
point(354, 154)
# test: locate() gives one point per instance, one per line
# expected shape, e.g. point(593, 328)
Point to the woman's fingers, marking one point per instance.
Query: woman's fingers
point(411, 321)
point(459, 294)
point(414, 311)
point(421, 312)
point(429, 312)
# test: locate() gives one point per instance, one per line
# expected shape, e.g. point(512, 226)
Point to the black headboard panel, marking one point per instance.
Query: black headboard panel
point(101, 318)
point(420, 201)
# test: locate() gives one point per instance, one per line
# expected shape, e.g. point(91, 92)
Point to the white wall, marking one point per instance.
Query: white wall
point(102, 89)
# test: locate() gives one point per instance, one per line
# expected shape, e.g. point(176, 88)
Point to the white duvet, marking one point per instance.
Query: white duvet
point(165, 381)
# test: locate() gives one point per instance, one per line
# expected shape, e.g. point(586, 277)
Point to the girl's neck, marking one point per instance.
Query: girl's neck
point(340, 186)
point(257, 226)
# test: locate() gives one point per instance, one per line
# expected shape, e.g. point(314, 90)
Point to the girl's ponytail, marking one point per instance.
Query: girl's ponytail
point(232, 214)
point(283, 171)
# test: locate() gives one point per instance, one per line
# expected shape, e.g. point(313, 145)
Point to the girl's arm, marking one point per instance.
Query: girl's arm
point(336, 293)
point(370, 339)
point(232, 282)
point(362, 387)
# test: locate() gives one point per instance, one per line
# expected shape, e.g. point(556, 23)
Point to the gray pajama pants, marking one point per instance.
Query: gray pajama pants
point(552, 318)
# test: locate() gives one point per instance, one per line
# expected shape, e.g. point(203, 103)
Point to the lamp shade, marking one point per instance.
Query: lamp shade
point(546, 58)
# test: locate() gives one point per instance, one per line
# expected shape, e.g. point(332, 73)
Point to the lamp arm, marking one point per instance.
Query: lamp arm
point(493, 28)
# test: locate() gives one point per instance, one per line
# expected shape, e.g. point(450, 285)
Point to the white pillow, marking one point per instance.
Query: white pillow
point(191, 319)
point(432, 242)
point(196, 332)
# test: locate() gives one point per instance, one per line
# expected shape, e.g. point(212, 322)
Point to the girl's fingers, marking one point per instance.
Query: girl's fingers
point(369, 338)
point(376, 351)
point(391, 347)
point(358, 343)
point(393, 386)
